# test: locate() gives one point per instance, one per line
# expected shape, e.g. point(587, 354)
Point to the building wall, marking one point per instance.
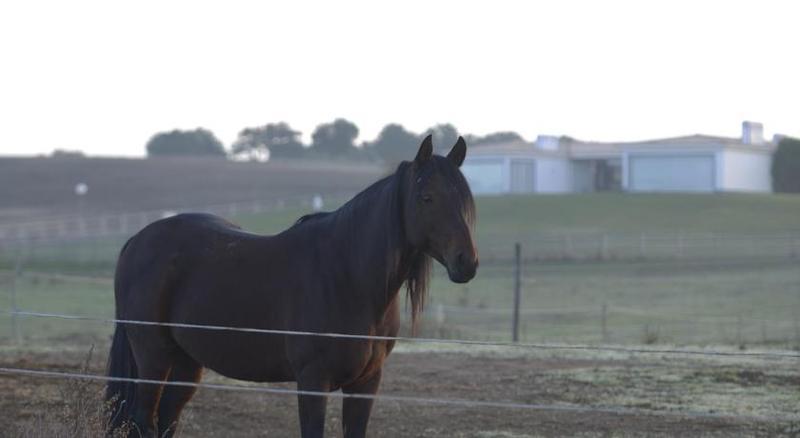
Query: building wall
point(487, 175)
point(731, 169)
point(553, 175)
point(744, 171)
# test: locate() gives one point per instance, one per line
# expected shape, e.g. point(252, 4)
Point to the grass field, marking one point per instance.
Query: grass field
point(741, 287)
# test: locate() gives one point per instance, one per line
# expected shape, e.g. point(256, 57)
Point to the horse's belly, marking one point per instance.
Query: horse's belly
point(244, 356)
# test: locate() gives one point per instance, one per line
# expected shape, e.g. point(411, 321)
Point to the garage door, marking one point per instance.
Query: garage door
point(485, 176)
point(671, 173)
point(523, 176)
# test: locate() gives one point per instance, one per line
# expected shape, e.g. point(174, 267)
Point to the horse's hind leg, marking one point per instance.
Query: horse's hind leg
point(148, 394)
point(154, 353)
point(174, 398)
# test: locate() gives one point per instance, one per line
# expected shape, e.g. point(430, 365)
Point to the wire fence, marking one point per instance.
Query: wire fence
point(459, 315)
point(643, 246)
point(450, 311)
point(351, 336)
point(466, 403)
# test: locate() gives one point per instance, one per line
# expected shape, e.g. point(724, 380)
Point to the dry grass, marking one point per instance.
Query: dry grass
point(82, 413)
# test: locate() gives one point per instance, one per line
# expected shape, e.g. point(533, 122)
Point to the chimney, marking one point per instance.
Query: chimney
point(548, 142)
point(752, 133)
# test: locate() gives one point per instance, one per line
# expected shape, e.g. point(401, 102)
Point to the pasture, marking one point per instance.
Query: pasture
point(712, 271)
point(704, 276)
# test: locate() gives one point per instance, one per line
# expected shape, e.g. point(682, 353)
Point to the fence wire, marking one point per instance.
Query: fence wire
point(467, 403)
point(518, 345)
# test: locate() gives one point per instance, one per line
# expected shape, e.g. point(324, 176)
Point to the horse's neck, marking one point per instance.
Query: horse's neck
point(382, 256)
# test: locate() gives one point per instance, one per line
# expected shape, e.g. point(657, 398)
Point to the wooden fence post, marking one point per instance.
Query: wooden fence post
point(15, 331)
point(604, 323)
point(517, 291)
point(604, 247)
point(642, 246)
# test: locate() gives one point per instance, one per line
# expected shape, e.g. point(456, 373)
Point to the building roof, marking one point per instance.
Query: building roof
point(514, 148)
point(578, 149)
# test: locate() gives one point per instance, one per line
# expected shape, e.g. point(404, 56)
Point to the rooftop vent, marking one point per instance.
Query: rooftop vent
point(547, 142)
point(752, 133)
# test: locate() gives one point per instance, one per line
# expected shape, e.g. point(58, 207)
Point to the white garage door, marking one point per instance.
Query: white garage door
point(671, 173)
point(485, 176)
point(523, 176)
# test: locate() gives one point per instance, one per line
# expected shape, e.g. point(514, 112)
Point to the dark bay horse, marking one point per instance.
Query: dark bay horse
point(335, 272)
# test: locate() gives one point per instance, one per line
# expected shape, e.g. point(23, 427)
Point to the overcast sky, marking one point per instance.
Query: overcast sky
point(104, 76)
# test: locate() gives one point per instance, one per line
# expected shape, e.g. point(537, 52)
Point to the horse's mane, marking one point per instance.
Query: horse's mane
point(308, 217)
point(386, 195)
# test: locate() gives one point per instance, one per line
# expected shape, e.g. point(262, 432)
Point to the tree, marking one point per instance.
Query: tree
point(200, 142)
point(336, 139)
point(445, 136)
point(395, 144)
point(786, 166)
point(277, 138)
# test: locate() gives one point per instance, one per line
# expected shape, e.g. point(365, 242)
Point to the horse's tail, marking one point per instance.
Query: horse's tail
point(121, 364)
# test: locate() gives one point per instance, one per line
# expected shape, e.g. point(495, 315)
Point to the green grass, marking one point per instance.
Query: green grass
point(610, 213)
point(679, 289)
point(637, 213)
point(746, 302)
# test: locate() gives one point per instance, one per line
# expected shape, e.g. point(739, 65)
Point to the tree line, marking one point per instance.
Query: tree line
point(337, 140)
point(334, 140)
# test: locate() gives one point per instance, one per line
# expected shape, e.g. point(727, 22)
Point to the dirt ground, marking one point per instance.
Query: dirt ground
point(743, 394)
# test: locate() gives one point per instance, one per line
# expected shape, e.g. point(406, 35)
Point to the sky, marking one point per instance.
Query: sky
point(103, 77)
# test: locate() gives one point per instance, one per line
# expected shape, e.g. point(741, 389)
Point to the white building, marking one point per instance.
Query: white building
point(695, 163)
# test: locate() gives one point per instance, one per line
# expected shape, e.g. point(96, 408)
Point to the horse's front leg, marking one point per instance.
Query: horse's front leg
point(312, 407)
point(356, 411)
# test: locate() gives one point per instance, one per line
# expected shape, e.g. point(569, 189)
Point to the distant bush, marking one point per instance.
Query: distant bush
point(64, 153)
point(786, 166)
point(197, 143)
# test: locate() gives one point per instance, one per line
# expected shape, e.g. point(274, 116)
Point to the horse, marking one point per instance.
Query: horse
point(331, 272)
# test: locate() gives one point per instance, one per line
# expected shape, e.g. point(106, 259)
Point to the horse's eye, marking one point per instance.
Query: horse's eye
point(427, 199)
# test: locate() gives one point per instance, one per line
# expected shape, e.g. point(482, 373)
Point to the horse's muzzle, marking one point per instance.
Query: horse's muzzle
point(463, 269)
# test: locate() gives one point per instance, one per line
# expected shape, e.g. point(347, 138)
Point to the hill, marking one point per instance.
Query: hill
point(36, 187)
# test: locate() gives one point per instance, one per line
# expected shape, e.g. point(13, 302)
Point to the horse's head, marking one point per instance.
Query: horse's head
point(439, 210)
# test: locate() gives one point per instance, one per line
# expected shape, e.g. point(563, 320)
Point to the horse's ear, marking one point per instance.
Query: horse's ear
point(459, 152)
point(425, 150)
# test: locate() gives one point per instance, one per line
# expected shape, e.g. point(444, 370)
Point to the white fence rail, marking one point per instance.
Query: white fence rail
point(122, 224)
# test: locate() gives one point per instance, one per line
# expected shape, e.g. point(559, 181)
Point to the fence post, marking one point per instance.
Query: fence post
point(604, 323)
point(796, 248)
point(517, 287)
point(604, 247)
point(15, 331)
point(739, 326)
point(568, 246)
point(642, 246)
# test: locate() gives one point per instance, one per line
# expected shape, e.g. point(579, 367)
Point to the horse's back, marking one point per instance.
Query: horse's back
point(201, 269)
point(155, 256)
